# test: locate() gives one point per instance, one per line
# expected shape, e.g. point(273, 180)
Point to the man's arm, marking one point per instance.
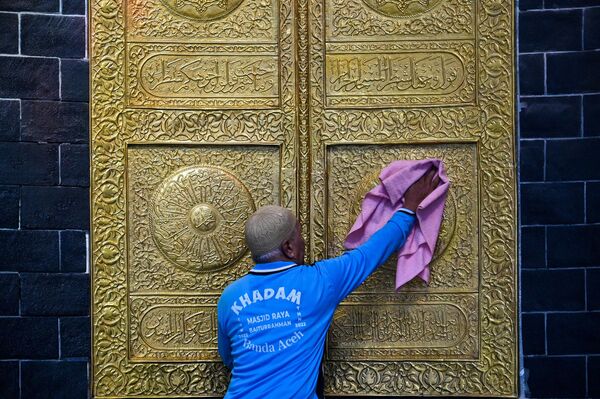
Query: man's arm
point(348, 271)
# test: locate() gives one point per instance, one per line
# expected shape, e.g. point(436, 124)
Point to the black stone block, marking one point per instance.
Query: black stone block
point(54, 380)
point(73, 7)
point(28, 338)
point(55, 294)
point(550, 30)
point(591, 115)
point(556, 377)
point(30, 5)
point(28, 163)
point(74, 165)
point(573, 246)
point(9, 379)
point(552, 203)
point(550, 116)
point(575, 72)
point(593, 289)
point(75, 337)
point(9, 198)
point(531, 4)
point(28, 77)
point(75, 80)
point(9, 33)
point(591, 24)
point(533, 247)
point(10, 120)
point(573, 333)
point(547, 290)
point(592, 202)
point(9, 294)
point(593, 373)
point(531, 74)
point(35, 251)
point(533, 327)
point(54, 121)
point(55, 208)
point(531, 160)
point(53, 36)
point(573, 159)
point(73, 251)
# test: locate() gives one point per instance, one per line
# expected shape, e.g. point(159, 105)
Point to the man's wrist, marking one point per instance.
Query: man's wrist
point(407, 211)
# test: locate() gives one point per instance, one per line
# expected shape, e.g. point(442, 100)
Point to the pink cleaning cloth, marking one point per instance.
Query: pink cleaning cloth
point(380, 203)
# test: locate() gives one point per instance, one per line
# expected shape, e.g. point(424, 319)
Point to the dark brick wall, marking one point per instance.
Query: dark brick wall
point(559, 113)
point(44, 279)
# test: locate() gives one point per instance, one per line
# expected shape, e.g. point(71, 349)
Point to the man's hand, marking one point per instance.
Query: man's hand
point(421, 189)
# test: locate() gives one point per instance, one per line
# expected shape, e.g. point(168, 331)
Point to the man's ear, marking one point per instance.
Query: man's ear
point(288, 249)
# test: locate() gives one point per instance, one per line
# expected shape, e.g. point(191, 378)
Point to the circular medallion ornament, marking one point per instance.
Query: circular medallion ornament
point(401, 8)
point(197, 218)
point(202, 10)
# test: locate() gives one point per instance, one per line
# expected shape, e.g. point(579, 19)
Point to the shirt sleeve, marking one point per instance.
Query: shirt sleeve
point(346, 272)
point(224, 343)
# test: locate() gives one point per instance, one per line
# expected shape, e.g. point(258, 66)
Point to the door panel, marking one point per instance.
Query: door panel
point(194, 119)
point(410, 80)
point(202, 111)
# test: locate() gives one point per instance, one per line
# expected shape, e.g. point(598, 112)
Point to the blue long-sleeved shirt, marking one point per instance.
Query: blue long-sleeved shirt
point(272, 323)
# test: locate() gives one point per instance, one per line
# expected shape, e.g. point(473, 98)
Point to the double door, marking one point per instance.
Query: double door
point(204, 110)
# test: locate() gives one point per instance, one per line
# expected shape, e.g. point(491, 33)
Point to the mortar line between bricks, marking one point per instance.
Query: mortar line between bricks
point(59, 347)
point(585, 304)
point(545, 76)
point(557, 9)
point(60, 251)
point(546, 246)
point(545, 334)
point(587, 394)
point(567, 312)
point(557, 356)
point(19, 31)
point(583, 30)
point(585, 204)
point(47, 14)
point(544, 167)
point(586, 138)
point(562, 52)
point(20, 378)
point(562, 225)
point(20, 206)
point(60, 7)
point(527, 96)
point(60, 79)
point(581, 116)
point(59, 169)
point(31, 56)
point(559, 269)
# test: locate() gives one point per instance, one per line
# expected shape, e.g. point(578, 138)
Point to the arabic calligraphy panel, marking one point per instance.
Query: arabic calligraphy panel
point(399, 74)
point(415, 326)
point(173, 329)
point(207, 76)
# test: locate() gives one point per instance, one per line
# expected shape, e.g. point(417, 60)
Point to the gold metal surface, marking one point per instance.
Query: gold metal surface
point(202, 111)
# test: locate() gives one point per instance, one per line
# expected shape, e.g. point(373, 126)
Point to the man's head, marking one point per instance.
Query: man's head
point(273, 234)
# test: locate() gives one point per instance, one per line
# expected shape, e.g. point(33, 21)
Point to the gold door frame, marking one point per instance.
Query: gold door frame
point(293, 134)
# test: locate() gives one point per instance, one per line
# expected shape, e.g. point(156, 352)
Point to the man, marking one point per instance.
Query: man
point(272, 323)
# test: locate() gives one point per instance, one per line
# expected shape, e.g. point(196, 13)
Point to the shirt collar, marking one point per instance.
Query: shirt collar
point(270, 267)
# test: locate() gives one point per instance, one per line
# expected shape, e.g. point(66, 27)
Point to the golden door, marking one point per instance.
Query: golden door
point(204, 110)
